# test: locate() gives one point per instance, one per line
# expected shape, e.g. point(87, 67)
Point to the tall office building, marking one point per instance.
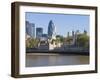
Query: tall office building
point(27, 24)
point(39, 32)
point(74, 38)
point(68, 34)
point(30, 29)
point(73, 33)
point(51, 30)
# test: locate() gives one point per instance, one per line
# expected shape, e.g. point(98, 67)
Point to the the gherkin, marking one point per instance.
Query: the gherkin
point(51, 29)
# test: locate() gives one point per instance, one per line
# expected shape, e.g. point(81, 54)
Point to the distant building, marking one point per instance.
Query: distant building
point(51, 30)
point(27, 24)
point(39, 32)
point(85, 32)
point(30, 29)
point(73, 34)
point(77, 32)
point(74, 38)
point(67, 34)
point(45, 36)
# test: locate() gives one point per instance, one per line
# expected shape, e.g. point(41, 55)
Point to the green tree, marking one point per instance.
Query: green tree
point(83, 40)
point(69, 40)
point(28, 45)
point(32, 43)
point(60, 38)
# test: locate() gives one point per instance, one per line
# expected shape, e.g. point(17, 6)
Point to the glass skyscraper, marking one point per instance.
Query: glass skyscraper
point(51, 29)
point(39, 32)
point(30, 29)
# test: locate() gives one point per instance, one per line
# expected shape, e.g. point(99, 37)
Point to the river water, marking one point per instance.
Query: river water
point(38, 60)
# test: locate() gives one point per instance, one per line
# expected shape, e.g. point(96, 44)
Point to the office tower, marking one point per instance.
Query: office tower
point(51, 30)
point(30, 29)
point(74, 38)
point(73, 33)
point(27, 24)
point(67, 34)
point(39, 32)
point(45, 35)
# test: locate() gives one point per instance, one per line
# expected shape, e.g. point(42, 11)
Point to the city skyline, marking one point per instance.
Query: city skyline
point(61, 21)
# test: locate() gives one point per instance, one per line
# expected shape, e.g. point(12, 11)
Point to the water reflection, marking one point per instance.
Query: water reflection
point(34, 60)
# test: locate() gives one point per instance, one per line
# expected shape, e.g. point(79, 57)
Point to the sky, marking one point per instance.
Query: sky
point(64, 23)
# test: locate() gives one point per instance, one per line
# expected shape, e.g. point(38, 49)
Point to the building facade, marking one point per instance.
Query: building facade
point(27, 27)
point(39, 32)
point(30, 29)
point(51, 30)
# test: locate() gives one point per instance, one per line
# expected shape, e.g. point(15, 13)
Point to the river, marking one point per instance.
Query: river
point(38, 60)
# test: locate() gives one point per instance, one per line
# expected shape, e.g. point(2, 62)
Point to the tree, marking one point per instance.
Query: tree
point(28, 43)
point(60, 38)
point(69, 40)
point(32, 43)
point(83, 40)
